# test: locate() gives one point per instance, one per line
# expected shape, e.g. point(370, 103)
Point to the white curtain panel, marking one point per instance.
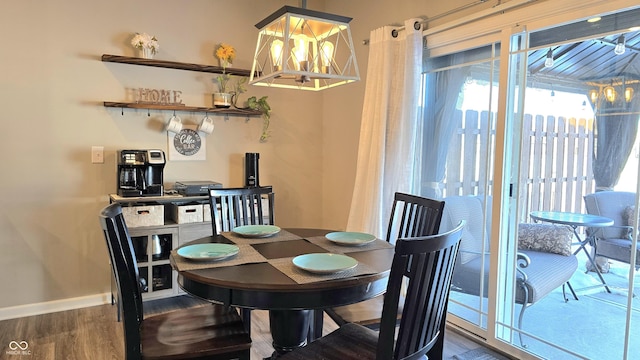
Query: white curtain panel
point(389, 134)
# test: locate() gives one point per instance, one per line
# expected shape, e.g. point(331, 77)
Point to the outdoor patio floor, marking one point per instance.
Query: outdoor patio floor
point(591, 327)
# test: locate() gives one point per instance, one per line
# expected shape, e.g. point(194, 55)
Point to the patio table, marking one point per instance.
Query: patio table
point(575, 220)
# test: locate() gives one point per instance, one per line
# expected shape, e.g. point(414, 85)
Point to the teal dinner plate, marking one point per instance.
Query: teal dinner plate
point(350, 238)
point(208, 252)
point(256, 231)
point(324, 263)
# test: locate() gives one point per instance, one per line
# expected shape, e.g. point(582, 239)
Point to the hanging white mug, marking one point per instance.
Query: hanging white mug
point(174, 124)
point(206, 125)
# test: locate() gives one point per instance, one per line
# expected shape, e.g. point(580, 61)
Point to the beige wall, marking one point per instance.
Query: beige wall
point(53, 84)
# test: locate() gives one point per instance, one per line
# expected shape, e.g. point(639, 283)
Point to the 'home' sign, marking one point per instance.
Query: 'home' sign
point(157, 96)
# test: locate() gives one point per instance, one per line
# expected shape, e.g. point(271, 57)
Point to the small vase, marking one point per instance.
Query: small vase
point(145, 53)
point(222, 100)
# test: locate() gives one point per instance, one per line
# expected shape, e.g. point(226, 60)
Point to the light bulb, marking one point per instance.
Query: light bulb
point(276, 54)
point(610, 94)
point(628, 94)
point(326, 55)
point(300, 51)
point(548, 62)
point(593, 95)
point(620, 48)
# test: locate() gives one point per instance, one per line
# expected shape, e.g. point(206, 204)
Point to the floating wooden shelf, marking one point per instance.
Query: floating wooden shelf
point(225, 111)
point(174, 65)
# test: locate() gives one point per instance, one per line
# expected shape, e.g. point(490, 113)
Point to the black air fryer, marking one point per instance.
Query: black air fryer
point(251, 171)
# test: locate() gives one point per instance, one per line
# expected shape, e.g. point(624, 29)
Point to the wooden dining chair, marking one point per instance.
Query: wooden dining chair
point(232, 207)
point(427, 264)
point(411, 216)
point(207, 332)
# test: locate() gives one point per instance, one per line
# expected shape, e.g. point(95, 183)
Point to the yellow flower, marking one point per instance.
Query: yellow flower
point(226, 52)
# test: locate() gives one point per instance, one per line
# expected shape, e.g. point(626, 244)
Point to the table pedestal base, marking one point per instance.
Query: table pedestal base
point(289, 330)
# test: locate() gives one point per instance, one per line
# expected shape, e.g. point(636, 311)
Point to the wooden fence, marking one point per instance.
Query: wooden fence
point(556, 162)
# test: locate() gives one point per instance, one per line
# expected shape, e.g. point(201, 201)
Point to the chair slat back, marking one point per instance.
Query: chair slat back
point(126, 273)
point(240, 206)
point(611, 204)
point(413, 216)
point(427, 263)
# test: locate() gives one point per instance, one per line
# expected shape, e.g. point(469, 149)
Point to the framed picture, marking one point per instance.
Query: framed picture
point(186, 144)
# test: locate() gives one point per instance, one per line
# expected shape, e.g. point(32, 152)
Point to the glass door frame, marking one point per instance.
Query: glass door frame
point(505, 169)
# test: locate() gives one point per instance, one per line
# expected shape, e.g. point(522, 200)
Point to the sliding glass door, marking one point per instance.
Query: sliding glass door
point(542, 121)
point(459, 133)
point(576, 150)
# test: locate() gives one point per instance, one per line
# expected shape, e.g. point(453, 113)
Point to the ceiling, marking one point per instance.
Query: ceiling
point(590, 60)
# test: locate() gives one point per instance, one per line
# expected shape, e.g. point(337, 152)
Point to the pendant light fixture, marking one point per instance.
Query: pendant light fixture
point(304, 49)
point(619, 91)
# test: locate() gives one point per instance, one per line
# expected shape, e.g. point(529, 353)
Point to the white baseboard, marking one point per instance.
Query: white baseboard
point(54, 306)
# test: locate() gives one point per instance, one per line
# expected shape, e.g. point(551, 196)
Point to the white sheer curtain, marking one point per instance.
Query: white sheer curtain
point(390, 132)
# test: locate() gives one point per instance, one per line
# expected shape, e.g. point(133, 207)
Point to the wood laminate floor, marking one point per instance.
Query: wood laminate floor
point(94, 333)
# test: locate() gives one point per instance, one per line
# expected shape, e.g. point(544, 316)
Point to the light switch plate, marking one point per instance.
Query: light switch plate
point(97, 154)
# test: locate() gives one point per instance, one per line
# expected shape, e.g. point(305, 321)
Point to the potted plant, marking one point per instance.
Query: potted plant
point(225, 54)
point(239, 87)
point(261, 105)
point(146, 44)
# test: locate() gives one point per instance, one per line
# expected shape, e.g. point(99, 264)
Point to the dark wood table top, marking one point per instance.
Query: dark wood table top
point(261, 285)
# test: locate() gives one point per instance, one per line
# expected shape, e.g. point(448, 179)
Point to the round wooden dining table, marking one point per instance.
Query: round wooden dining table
point(291, 303)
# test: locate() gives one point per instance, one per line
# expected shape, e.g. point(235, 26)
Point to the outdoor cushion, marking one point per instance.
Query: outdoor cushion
point(629, 214)
point(546, 272)
point(546, 238)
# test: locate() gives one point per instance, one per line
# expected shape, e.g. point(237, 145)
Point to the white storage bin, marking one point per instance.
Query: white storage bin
point(145, 215)
point(206, 212)
point(187, 213)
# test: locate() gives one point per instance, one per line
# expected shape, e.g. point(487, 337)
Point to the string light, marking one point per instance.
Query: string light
point(620, 46)
point(548, 62)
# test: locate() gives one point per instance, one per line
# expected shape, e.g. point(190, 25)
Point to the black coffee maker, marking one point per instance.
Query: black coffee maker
point(140, 173)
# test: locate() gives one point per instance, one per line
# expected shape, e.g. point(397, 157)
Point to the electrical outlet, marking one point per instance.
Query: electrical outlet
point(97, 154)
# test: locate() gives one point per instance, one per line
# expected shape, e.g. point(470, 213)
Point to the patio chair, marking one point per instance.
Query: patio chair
point(427, 262)
point(545, 261)
point(613, 242)
point(207, 332)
